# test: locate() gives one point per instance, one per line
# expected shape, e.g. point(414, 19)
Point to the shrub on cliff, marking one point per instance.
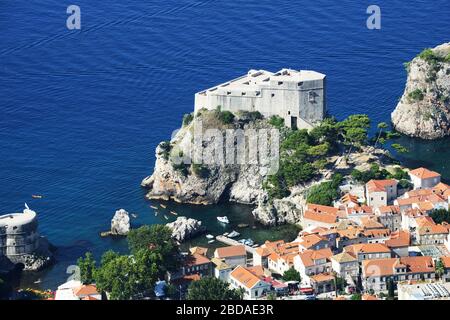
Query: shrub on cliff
point(326, 192)
point(187, 119)
point(416, 95)
point(276, 121)
point(200, 171)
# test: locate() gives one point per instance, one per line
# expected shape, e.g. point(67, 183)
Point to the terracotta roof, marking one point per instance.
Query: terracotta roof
point(349, 198)
point(231, 251)
point(85, 290)
point(245, 277)
point(388, 209)
point(257, 271)
point(343, 257)
point(310, 240)
point(370, 223)
point(424, 206)
point(321, 209)
point(308, 257)
point(419, 192)
point(446, 261)
point(379, 267)
point(356, 249)
point(199, 250)
point(322, 277)
point(424, 173)
point(89, 298)
point(418, 264)
point(377, 233)
point(320, 217)
point(196, 259)
point(441, 188)
point(398, 239)
point(368, 297)
point(350, 233)
point(433, 229)
point(380, 185)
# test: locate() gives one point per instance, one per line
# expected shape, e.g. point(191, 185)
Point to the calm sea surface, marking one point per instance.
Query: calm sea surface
point(81, 112)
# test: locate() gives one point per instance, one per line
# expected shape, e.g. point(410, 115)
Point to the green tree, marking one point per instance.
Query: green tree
point(291, 275)
point(440, 215)
point(391, 288)
point(356, 296)
point(209, 288)
point(187, 118)
point(87, 268)
point(125, 277)
point(271, 296)
point(399, 148)
point(381, 127)
point(439, 269)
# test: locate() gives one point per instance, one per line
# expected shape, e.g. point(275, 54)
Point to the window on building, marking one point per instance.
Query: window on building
point(280, 83)
point(273, 95)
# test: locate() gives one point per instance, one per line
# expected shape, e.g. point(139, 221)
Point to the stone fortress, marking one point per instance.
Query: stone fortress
point(297, 96)
point(20, 242)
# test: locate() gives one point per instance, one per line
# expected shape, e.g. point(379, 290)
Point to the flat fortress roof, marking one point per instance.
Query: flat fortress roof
point(255, 79)
point(16, 219)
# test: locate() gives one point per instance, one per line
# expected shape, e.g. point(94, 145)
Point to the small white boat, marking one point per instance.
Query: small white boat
point(156, 213)
point(233, 234)
point(37, 281)
point(174, 213)
point(134, 215)
point(37, 196)
point(153, 207)
point(209, 236)
point(163, 205)
point(211, 241)
point(223, 219)
point(166, 217)
point(225, 234)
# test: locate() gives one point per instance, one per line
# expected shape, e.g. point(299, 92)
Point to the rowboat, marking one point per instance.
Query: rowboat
point(153, 207)
point(174, 213)
point(223, 219)
point(163, 205)
point(209, 236)
point(166, 217)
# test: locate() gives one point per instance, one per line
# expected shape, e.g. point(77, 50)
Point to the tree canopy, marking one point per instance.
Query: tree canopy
point(209, 288)
point(292, 275)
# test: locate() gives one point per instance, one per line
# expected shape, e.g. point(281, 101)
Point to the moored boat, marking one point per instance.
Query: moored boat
point(233, 234)
point(163, 205)
point(223, 219)
point(209, 236)
point(37, 196)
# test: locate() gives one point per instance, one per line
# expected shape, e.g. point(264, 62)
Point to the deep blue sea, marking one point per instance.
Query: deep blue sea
point(81, 112)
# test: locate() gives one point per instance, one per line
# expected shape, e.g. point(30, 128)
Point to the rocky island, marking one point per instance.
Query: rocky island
point(424, 109)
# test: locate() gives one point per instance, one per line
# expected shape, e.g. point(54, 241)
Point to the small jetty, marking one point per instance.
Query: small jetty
point(232, 242)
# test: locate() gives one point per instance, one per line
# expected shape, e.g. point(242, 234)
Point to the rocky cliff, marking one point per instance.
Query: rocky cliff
point(204, 184)
point(424, 109)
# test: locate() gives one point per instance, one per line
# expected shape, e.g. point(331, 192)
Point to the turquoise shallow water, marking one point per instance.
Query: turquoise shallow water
point(82, 112)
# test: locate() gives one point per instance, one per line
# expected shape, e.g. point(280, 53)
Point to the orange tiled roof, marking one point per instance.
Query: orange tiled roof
point(380, 185)
point(85, 290)
point(320, 217)
point(368, 297)
point(418, 264)
point(377, 233)
point(370, 223)
point(398, 239)
point(355, 249)
point(388, 210)
point(321, 209)
point(308, 257)
point(349, 198)
point(379, 267)
point(424, 173)
point(446, 261)
point(245, 277)
point(322, 277)
point(231, 251)
point(310, 240)
point(196, 259)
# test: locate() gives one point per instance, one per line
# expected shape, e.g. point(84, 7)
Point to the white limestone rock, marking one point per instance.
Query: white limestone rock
point(185, 228)
point(120, 223)
point(428, 115)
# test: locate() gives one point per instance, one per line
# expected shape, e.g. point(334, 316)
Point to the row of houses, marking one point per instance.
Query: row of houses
point(367, 242)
